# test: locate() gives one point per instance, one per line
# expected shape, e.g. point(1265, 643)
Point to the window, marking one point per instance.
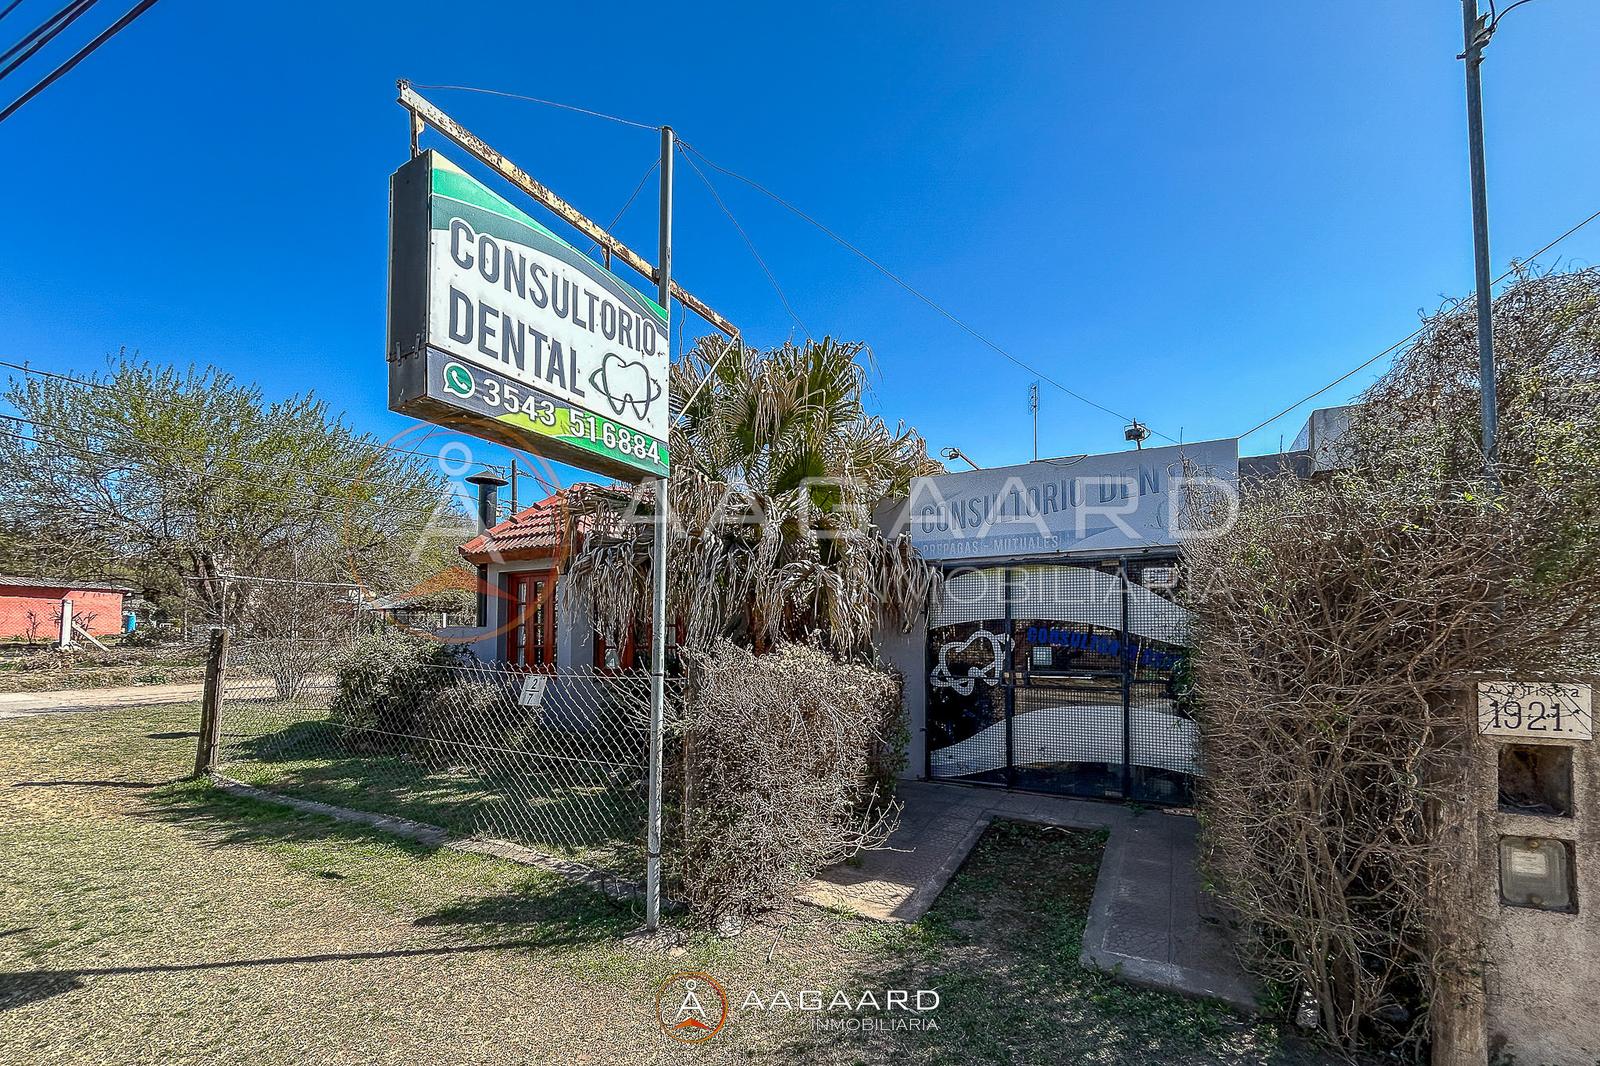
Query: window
point(631, 656)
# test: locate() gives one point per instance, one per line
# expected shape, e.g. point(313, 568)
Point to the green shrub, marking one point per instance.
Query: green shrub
point(389, 685)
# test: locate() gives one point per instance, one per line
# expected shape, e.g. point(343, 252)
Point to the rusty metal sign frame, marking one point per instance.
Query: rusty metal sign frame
point(424, 113)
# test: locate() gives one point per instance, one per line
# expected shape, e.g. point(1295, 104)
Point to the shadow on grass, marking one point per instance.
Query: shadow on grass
point(562, 806)
point(30, 986)
point(95, 784)
point(547, 903)
point(222, 819)
point(20, 989)
point(541, 905)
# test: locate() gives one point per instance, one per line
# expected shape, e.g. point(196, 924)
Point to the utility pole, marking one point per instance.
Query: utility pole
point(658, 572)
point(1033, 405)
point(1476, 32)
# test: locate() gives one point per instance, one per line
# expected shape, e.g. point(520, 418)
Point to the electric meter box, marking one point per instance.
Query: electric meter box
point(1536, 872)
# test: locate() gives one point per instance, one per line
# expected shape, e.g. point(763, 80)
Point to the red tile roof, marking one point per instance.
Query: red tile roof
point(532, 533)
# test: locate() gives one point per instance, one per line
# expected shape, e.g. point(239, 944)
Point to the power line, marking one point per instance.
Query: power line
point(1496, 16)
point(908, 287)
point(66, 16)
point(537, 100)
point(134, 440)
point(10, 8)
point(28, 37)
point(26, 369)
point(105, 387)
point(151, 462)
point(787, 306)
point(885, 271)
point(172, 466)
point(654, 163)
point(1414, 334)
point(78, 57)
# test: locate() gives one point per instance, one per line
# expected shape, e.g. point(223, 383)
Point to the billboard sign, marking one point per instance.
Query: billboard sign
point(1118, 501)
point(499, 328)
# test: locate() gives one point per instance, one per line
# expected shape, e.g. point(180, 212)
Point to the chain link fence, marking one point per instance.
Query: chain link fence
point(553, 762)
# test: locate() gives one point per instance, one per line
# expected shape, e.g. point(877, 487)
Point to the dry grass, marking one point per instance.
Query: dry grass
point(148, 920)
point(48, 670)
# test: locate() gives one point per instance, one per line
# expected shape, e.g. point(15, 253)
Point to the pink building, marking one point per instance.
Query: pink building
point(30, 607)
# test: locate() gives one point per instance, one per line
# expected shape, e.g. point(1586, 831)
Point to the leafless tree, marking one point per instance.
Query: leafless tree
point(1339, 628)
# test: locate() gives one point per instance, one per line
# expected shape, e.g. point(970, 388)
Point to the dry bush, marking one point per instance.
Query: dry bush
point(781, 772)
point(1339, 627)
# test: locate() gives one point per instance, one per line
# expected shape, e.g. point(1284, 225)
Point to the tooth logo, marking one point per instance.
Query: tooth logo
point(626, 385)
point(988, 672)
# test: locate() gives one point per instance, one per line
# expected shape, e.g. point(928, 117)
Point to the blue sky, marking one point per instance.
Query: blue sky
point(1193, 215)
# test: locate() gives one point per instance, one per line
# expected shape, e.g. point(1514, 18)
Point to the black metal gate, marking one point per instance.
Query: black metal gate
point(1062, 677)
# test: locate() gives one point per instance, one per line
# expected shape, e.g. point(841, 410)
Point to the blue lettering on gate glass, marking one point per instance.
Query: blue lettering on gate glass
point(1099, 644)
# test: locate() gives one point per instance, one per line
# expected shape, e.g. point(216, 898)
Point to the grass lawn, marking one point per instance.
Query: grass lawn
point(144, 919)
point(573, 807)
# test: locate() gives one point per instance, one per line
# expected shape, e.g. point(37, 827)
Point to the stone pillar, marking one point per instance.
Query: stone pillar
point(1539, 801)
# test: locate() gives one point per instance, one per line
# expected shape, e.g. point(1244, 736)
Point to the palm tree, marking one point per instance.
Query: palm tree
point(776, 469)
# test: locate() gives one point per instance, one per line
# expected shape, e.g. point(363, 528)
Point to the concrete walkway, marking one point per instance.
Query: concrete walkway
point(1149, 923)
point(23, 704)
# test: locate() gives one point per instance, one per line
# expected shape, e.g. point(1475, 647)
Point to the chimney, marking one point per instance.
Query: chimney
point(488, 483)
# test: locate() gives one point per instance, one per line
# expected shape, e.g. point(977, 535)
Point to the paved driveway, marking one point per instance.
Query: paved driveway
point(23, 704)
point(1150, 923)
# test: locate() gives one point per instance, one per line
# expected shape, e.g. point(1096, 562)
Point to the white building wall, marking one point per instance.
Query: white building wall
point(574, 631)
point(907, 654)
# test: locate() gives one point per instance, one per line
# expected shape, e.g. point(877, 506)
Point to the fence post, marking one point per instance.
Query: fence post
point(205, 759)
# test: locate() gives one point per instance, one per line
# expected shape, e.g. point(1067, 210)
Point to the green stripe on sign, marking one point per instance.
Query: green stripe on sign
point(563, 431)
point(458, 185)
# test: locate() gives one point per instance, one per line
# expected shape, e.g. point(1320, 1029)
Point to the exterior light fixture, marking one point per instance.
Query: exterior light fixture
point(956, 453)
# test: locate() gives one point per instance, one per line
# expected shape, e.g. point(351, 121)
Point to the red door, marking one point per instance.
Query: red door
point(531, 639)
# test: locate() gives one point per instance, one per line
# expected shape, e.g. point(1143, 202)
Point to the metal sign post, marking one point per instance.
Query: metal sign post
point(420, 336)
point(658, 577)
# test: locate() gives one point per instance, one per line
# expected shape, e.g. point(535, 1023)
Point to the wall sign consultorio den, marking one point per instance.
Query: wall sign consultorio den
point(1118, 500)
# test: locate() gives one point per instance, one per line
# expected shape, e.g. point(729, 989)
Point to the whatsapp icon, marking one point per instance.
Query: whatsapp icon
point(458, 379)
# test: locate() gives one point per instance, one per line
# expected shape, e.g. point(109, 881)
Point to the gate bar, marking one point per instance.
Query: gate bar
point(1010, 685)
point(1127, 686)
